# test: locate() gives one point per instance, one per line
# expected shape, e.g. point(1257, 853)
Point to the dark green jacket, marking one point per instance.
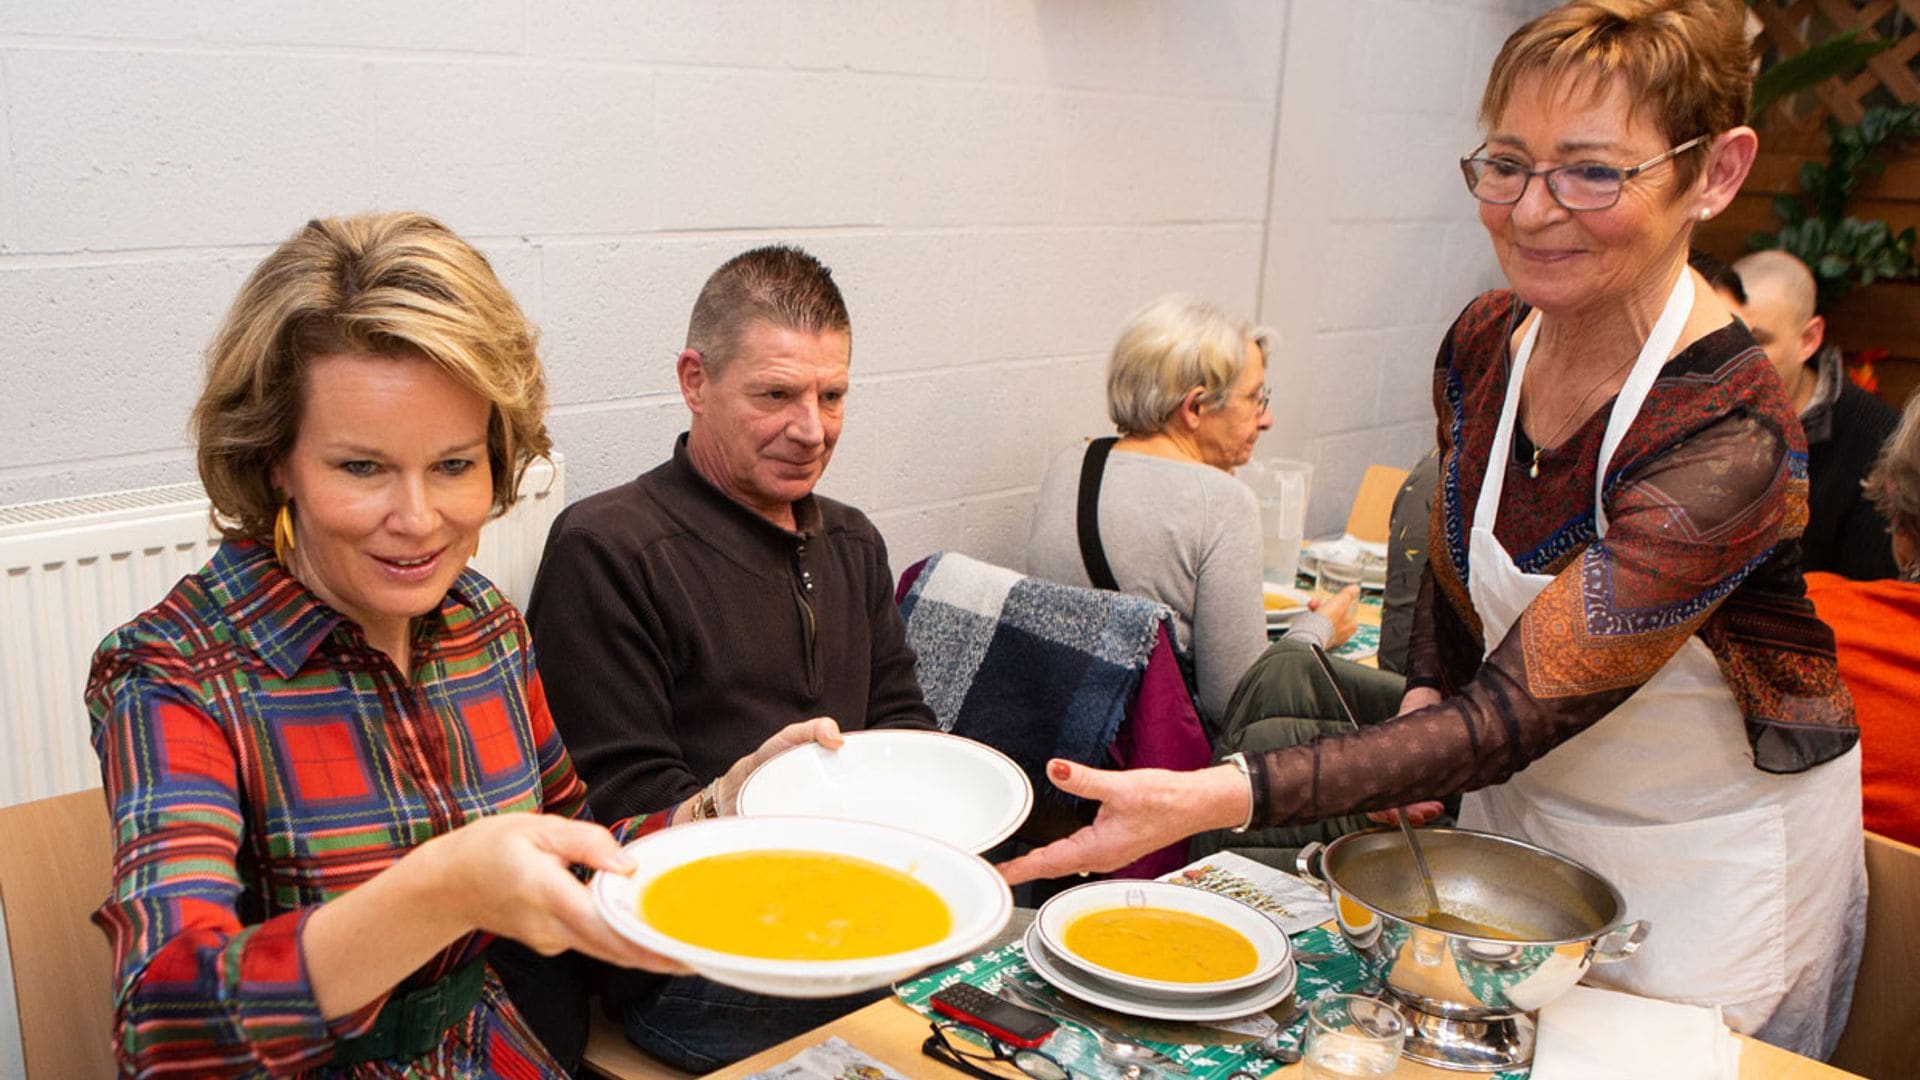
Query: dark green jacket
point(1282, 701)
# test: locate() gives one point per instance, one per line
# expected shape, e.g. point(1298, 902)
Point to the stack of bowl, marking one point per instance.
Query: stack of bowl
point(1052, 953)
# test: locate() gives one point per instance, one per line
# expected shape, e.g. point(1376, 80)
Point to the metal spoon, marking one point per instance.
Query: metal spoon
point(1273, 1049)
point(1115, 1048)
point(1406, 830)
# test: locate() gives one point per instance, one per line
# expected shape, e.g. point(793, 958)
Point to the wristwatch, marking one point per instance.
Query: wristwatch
point(707, 803)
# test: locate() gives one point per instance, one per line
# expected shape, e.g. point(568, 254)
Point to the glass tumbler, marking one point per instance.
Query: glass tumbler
point(1353, 1037)
point(1333, 576)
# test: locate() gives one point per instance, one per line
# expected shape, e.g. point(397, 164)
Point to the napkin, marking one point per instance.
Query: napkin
point(1593, 1034)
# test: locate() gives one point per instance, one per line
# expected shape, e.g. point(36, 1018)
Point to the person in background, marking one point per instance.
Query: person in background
point(1407, 539)
point(1877, 627)
point(687, 615)
point(1186, 387)
point(1845, 425)
point(1720, 277)
point(327, 754)
point(1615, 658)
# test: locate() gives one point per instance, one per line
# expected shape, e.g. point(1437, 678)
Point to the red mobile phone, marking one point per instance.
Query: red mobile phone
point(1011, 1024)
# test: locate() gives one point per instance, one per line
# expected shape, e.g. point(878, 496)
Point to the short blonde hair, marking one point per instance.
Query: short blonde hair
point(398, 284)
point(1169, 347)
point(1687, 62)
point(1894, 481)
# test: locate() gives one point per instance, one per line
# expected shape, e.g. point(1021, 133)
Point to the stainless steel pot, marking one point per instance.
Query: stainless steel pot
point(1470, 997)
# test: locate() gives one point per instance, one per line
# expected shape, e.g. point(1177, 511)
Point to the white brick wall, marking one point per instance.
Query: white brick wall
point(997, 183)
point(1373, 245)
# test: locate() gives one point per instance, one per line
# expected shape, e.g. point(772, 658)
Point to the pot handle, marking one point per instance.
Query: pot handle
point(1305, 864)
point(1620, 942)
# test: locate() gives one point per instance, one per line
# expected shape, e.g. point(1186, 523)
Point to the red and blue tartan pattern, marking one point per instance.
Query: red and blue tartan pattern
point(261, 759)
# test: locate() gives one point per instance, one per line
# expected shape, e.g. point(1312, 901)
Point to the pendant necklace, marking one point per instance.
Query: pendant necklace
point(1533, 468)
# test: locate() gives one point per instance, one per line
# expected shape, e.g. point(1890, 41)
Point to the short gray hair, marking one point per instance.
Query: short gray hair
point(1894, 482)
point(779, 285)
point(1169, 347)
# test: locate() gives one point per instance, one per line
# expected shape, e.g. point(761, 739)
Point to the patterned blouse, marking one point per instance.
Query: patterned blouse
point(260, 758)
point(1705, 498)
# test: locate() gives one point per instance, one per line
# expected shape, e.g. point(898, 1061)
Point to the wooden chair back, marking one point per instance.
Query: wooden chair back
point(56, 866)
point(1882, 1039)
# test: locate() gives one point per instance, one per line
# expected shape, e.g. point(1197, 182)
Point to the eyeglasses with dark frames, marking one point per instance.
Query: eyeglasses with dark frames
point(1261, 401)
point(1587, 185)
point(960, 1052)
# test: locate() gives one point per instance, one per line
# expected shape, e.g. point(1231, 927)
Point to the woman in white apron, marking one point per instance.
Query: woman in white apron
point(1719, 856)
point(1613, 652)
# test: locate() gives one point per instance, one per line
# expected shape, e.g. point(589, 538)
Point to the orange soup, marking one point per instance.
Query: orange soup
point(794, 905)
point(1161, 943)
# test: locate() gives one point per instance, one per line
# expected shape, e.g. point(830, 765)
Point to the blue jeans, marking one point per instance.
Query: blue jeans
point(699, 1025)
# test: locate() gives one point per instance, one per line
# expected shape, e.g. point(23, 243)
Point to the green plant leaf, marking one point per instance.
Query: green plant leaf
point(1836, 55)
point(1843, 251)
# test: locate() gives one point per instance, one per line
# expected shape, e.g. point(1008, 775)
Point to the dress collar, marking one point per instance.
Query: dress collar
point(281, 620)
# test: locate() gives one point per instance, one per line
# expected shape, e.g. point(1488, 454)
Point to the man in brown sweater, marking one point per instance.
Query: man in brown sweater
point(680, 619)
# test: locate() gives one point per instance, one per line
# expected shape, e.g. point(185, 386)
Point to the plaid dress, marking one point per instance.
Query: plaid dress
point(260, 758)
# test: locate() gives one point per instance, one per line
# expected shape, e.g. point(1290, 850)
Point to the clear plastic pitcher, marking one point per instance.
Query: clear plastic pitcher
point(1282, 488)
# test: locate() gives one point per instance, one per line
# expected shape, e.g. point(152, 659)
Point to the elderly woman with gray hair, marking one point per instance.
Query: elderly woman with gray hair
point(1186, 388)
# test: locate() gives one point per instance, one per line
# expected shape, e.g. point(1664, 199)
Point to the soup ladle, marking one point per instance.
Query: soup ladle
point(1400, 814)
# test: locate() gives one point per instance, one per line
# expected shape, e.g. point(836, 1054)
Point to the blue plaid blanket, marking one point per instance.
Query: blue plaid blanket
point(1034, 669)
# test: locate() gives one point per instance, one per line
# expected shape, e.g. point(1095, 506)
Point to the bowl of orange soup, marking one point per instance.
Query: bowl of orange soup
point(1163, 939)
point(803, 907)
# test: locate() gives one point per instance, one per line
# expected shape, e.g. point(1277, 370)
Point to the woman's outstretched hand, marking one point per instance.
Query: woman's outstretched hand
point(1418, 814)
point(1141, 810)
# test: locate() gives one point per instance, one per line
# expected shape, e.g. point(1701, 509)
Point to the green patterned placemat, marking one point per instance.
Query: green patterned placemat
point(1207, 1053)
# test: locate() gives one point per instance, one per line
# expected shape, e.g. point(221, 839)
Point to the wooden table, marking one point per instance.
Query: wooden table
point(891, 1031)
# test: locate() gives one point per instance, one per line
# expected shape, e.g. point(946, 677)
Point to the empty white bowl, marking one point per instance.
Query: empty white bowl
point(976, 896)
point(948, 787)
point(1272, 951)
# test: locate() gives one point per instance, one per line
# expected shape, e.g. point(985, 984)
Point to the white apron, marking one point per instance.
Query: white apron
point(1753, 883)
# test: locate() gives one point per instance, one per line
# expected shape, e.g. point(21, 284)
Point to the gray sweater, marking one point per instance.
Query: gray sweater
point(1182, 533)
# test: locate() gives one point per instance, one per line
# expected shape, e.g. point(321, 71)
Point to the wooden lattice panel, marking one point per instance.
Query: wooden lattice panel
point(1893, 76)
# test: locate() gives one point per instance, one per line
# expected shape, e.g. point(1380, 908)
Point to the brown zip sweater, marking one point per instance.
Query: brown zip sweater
point(675, 630)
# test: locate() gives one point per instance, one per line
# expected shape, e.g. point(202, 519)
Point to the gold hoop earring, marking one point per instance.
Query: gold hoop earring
point(283, 534)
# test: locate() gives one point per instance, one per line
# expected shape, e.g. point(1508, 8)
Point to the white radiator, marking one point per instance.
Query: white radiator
point(76, 568)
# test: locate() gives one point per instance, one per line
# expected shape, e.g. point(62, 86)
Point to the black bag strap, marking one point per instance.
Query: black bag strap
point(1092, 467)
